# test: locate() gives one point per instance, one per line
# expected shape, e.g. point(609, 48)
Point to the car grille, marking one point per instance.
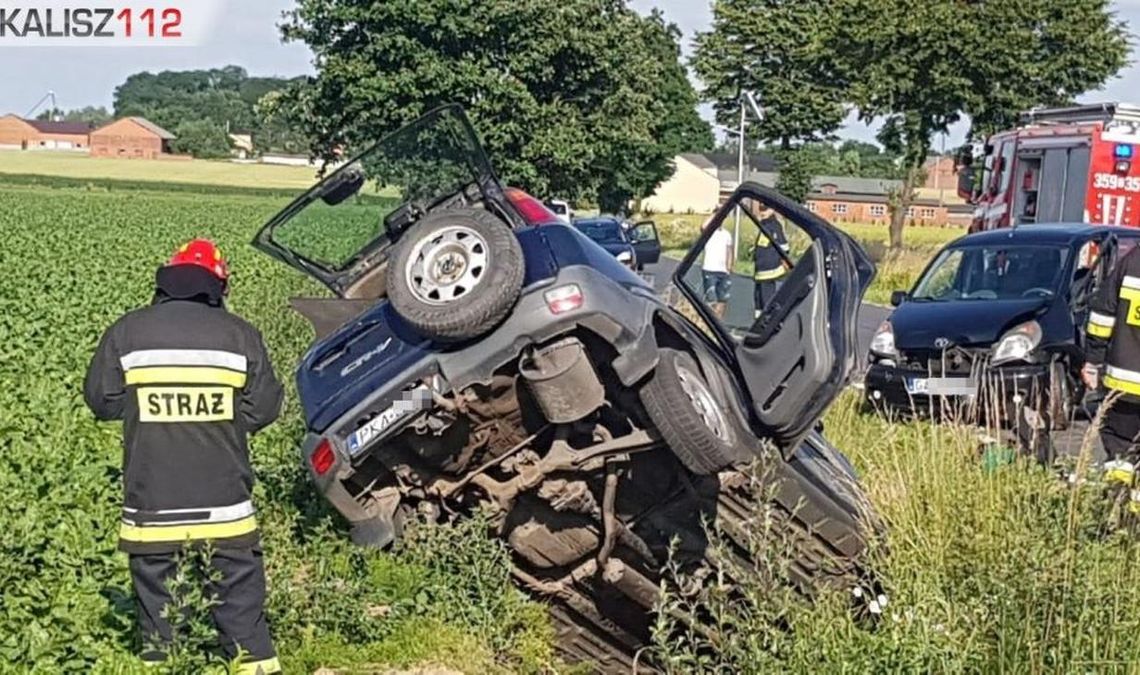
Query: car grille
point(954, 361)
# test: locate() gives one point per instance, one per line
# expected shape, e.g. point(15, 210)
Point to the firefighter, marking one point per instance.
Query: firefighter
point(1113, 359)
point(768, 254)
point(190, 381)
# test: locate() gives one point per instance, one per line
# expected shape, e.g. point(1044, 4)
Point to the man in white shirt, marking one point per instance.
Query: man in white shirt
point(716, 270)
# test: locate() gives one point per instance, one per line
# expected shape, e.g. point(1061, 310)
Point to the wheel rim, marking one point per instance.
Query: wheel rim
point(703, 402)
point(448, 265)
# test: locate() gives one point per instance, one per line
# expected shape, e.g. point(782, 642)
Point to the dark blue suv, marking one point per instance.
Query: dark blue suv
point(481, 354)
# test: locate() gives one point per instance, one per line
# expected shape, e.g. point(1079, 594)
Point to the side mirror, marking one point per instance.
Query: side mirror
point(343, 184)
point(966, 183)
point(898, 298)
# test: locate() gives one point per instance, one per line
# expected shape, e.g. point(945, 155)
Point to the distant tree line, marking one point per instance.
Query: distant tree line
point(202, 107)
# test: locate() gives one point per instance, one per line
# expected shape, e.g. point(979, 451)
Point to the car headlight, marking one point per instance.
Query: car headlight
point(883, 344)
point(1017, 343)
point(625, 257)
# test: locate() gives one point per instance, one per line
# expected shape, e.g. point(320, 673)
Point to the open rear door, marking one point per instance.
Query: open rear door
point(783, 308)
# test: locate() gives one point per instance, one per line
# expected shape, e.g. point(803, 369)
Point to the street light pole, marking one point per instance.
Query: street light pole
point(739, 182)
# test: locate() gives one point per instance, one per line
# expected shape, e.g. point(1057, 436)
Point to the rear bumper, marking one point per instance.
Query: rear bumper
point(999, 389)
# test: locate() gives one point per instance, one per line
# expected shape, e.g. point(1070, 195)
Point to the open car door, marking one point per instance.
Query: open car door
point(782, 308)
point(339, 230)
point(646, 244)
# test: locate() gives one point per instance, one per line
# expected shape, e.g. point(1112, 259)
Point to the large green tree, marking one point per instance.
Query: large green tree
point(914, 66)
point(583, 99)
point(921, 66)
point(780, 50)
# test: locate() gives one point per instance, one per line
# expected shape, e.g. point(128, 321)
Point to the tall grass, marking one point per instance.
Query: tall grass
point(1005, 569)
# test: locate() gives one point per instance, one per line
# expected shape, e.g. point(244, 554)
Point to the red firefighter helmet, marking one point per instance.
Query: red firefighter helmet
point(204, 254)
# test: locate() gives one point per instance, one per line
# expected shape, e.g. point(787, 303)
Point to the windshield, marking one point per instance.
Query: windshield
point(602, 231)
point(997, 273)
point(345, 216)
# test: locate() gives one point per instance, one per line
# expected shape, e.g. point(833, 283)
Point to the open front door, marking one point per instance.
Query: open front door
point(783, 307)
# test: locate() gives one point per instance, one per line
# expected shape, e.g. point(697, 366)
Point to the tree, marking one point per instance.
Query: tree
point(583, 99)
point(919, 66)
point(780, 50)
point(223, 98)
point(93, 115)
point(202, 139)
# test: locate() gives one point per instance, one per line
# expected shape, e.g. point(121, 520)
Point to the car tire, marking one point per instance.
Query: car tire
point(692, 422)
point(456, 274)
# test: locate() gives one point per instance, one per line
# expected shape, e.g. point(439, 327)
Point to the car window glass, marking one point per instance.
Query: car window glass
point(421, 164)
point(602, 231)
point(993, 273)
point(737, 287)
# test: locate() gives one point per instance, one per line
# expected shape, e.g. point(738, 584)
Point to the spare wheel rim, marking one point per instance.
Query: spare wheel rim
point(447, 265)
point(703, 401)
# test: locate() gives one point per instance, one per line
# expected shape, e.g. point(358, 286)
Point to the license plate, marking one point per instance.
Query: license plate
point(409, 404)
point(941, 386)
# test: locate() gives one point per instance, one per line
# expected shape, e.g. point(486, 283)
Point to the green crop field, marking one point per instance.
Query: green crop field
point(74, 261)
point(197, 171)
point(999, 569)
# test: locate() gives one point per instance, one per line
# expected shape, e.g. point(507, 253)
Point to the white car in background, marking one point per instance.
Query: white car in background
point(561, 209)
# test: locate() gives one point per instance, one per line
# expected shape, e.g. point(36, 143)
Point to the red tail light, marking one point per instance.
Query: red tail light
point(532, 211)
point(322, 457)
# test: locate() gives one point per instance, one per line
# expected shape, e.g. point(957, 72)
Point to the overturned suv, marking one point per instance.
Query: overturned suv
point(482, 355)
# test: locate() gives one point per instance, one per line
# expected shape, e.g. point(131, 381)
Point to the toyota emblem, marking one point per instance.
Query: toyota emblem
point(942, 343)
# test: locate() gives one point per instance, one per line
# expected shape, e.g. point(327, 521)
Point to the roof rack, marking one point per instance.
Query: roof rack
point(1090, 112)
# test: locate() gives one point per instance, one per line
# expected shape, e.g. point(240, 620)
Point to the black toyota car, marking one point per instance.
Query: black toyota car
point(995, 325)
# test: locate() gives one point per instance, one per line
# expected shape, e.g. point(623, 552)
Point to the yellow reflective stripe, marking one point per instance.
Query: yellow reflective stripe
point(1121, 385)
point(1099, 331)
point(768, 275)
point(262, 667)
point(183, 375)
point(172, 533)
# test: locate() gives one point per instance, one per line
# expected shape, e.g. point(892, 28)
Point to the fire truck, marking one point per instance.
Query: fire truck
point(1060, 165)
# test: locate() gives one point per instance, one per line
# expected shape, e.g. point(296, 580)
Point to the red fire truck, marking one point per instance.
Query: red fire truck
point(1062, 165)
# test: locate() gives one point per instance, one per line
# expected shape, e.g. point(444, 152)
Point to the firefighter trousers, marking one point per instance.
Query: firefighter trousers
point(763, 292)
point(1121, 431)
point(239, 616)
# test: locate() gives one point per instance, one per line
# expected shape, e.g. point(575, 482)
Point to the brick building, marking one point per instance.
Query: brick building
point(131, 137)
point(844, 199)
point(22, 134)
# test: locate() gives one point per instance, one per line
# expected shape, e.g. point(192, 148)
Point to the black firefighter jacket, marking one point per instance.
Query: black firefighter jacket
point(1114, 326)
point(190, 381)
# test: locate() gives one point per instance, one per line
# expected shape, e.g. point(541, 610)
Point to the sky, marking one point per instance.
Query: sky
point(248, 37)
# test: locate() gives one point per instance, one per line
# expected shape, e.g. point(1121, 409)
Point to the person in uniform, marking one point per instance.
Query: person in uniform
point(769, 255)
point(1113, 360)
point(190, 382)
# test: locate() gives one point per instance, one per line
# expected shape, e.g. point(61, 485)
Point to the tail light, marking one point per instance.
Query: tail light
point(322, 457)
point(532, 211)
point(564, 298)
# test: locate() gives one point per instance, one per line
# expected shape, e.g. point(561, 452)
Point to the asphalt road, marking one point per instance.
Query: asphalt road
point(740, 309)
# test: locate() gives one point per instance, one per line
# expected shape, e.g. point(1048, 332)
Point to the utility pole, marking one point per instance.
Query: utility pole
point(739, 182)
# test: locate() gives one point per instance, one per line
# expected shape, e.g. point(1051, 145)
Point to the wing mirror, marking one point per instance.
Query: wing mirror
point(898, 298)
point(343, 184)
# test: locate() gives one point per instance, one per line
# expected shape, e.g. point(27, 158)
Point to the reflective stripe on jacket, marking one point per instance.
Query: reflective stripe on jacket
point(190, 382)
